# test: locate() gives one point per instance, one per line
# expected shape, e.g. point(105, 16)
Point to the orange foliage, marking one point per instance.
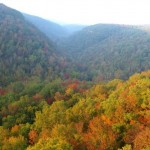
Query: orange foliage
point(132, 133)
point(79, 127)
point(15, 129)
point(37, 97)
point(100, 135)
point(118, 117)
point(106, 120)
point(45, 134)
point(144, 120)
point(142, 140)
point(132, 122)
point(58, 96)
point(33, 137)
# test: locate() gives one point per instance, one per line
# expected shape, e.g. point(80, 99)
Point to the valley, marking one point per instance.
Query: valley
point(73, 87)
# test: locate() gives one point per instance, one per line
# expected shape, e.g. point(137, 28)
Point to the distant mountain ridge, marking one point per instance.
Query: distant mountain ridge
point(51, 29)
point(108, 51)
point(72, 28)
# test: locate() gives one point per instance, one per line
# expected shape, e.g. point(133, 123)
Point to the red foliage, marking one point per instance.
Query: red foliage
point(66, 76)
point(50, 101)
point(144, 120)
point(2, 92)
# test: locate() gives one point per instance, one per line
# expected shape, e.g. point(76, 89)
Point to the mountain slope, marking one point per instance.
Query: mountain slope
point(109, 51)
point(51, 29)
point(24, 50)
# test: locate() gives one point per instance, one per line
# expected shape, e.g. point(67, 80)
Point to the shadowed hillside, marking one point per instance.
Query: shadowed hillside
point(24, 50)
point(108, 51)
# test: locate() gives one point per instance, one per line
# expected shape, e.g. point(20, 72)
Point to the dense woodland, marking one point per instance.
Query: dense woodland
point(109, 51)
point(84, 90)
point(75, 114)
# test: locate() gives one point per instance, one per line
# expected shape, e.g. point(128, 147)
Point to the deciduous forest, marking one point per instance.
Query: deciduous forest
point(80, 88)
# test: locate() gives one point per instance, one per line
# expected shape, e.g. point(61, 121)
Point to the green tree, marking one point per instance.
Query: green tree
point(51, 144)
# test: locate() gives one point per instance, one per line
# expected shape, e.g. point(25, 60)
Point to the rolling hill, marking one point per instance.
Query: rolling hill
point(107, 51)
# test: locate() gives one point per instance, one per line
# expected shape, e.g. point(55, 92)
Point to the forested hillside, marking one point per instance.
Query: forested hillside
point(77, 115)
point(109, 51)
point(79, 94)
point(52, 30)
point(24, 50)
point(101, 52)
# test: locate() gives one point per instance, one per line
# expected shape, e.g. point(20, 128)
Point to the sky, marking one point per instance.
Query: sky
point(86, 11)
